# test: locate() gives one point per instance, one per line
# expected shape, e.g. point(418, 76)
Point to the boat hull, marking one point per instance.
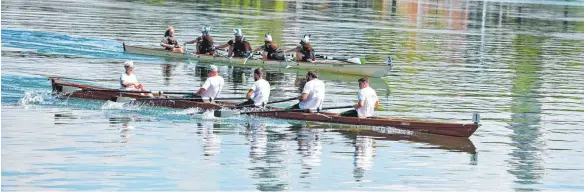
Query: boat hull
point(440, 128)
point(373, 70)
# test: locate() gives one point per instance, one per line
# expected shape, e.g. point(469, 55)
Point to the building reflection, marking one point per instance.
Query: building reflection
point(267, 156)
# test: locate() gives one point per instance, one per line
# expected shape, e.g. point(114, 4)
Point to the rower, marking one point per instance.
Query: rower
point(271, 49)
point(128, 80)
point(169, 42)
point(304, 51)
point(259, 92)
point(203, 43)
point(212, 85)
point(238, 47)
point(367, 101)
point(312, 93)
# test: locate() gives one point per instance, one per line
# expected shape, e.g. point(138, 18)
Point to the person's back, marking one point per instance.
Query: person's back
point(315, 89)
point(261, 92)
point(370, 99)
point(213, 86)
point(206, 44)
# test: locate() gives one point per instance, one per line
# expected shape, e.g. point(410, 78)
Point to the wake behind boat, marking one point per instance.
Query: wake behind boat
point(69, 89)
point(325, 65)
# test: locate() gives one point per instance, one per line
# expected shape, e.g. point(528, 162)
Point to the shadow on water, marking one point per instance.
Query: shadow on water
point(526, 111)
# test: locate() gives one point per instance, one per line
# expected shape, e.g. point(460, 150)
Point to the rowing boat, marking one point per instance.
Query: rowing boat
point(335, 66)
point(69, 89)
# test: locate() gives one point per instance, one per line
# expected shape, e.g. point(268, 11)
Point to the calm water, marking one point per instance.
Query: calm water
point(520, 64)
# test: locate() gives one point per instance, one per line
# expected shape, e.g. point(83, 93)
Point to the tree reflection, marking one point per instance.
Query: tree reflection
point(526, 110)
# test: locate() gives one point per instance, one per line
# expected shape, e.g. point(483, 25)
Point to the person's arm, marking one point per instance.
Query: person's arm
point(165, 44)
point(305, 92)
point(360, 101)
point(222, 46)
point(249, 94)
point(193, 41)
point(293, 49)
point(204, 87)
point(258, 49)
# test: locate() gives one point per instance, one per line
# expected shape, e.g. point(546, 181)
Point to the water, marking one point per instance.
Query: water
point(520, 64)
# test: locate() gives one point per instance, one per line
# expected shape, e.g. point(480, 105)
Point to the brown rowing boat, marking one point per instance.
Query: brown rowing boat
point(69, 89)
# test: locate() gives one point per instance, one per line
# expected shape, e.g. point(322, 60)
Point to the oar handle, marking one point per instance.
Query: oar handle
point(129, 91)
point(197, 98)
point(271, 102)
point(297, 110)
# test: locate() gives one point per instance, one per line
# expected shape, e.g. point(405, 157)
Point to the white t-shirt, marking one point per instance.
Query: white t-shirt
point(128, 79)
point(369, 97)
point(261, 92)
point(213, 86)
point(315, 90)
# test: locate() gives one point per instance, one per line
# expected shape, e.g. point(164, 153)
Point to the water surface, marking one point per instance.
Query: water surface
point(520, 64)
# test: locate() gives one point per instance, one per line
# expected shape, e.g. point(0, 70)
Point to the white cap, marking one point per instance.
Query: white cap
point(306, 39)
point(268, 37)
point(213, 68)
point(237, 32)
point(129, 64)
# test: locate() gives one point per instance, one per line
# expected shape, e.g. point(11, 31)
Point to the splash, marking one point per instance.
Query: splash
point(189, 111)
point(32, 98)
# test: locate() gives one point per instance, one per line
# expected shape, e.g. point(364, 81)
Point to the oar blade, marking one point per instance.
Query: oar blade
point(225, 114)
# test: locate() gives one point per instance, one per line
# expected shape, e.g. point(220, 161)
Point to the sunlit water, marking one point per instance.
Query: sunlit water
point(520, 64)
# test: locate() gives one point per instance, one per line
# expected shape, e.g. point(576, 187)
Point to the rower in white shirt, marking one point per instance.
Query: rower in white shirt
point(212, 86)
point(312, 93)
point(128, 80)
point(367, 101)
point(259, 92)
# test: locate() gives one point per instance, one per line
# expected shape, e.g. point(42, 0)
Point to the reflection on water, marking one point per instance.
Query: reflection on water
point(364, 153)
point(526, 112)
point(266, 157)
point(519, 64)
point(309, 147)
point(167, 73)
point(211, 141)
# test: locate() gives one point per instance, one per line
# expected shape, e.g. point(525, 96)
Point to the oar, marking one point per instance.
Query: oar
point(188, 99)
point(129, 91)
point(231, 113)
point(349, 60)
point(271, 102)
point(250, 55)
point(187, 54)
point(297, 110)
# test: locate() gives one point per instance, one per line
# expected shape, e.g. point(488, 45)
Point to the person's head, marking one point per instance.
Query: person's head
point(363, 82)
point(311, 75)
point(258, 74)
point(267, 38)
point(238, 34)
point(205, 30)
point(129, 66)
point(213, 70)
point(305, 39)
point(169, 32)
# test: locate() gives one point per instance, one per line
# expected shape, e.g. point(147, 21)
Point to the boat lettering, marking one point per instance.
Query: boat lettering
point(405, 123)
